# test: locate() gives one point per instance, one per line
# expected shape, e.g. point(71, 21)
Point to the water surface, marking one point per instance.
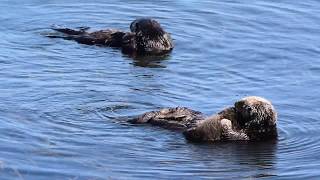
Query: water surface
point(60, 101)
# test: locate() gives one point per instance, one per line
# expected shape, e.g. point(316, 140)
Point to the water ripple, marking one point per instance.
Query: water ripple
point(63, 105)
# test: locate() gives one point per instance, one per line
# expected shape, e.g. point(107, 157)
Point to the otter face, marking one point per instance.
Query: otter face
point(257, 117)
point(150, 38)
point(146, 27)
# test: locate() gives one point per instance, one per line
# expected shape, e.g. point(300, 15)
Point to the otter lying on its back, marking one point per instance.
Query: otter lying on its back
point(147, 37)
point(252, 118)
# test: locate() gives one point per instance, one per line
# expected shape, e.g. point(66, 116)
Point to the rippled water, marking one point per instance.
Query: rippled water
point(61, 103)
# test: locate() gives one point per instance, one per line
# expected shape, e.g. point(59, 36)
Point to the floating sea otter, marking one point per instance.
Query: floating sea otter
point(252, 118)
point(147, 37)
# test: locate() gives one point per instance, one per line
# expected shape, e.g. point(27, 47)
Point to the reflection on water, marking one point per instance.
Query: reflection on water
point(151, 61)
point(62, 104)
point(255, 159)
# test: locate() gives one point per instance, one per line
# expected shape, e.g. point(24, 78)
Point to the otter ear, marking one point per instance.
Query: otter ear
point(238, 104)
point(154, 22)
point(133, 26)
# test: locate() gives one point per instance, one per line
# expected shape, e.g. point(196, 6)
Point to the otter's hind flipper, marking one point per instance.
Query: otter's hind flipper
point(109, 37)
point(69, 31)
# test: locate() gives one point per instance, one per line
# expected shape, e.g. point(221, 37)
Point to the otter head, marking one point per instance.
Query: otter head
point(150, 37)
point(147, 27)
point(257, 117)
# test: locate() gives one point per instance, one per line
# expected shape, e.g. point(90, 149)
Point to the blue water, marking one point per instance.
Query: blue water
point(62, 103)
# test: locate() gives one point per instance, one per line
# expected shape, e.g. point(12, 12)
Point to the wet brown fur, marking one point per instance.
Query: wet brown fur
point(147, 37)
point(257, 117)
point(252, 118)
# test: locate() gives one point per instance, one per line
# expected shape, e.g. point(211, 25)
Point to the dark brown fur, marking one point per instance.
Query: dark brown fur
point(252, 118)
point(257, 117)
point(147, 37)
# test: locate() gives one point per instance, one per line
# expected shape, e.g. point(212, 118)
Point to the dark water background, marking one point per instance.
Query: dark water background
point(60, 102)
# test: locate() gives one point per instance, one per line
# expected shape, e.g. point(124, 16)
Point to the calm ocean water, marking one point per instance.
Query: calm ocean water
point(62, 103)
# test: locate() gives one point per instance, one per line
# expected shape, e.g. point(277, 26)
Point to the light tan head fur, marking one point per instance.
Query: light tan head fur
point(251, 118)
point(257, 117)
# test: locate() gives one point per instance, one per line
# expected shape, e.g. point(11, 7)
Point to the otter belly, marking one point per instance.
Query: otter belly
point(180, 118)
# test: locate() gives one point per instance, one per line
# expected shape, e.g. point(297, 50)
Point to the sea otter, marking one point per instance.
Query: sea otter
point(251, 118)
point(147, 37)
